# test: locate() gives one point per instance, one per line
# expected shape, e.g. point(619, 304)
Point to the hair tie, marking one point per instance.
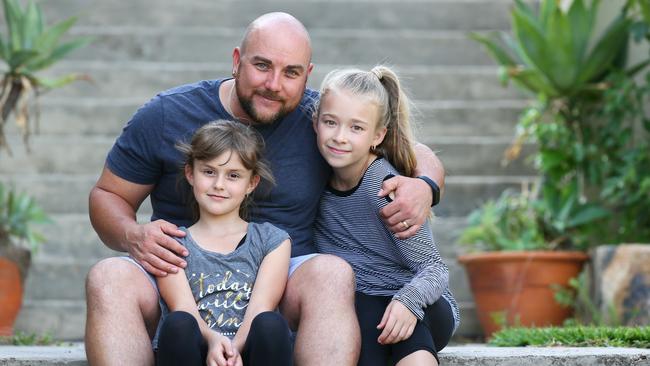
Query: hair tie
point(377, 73)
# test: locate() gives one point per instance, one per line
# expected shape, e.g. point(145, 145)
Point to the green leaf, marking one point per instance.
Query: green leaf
point(565, 211)
point(581, 21)
point(13, 18)
point(535, 82)
point(532, 41)
point(645, 9)
point(561, 62)
point(3, 49)
point(494, 49)
point(637, 68)
point(586, 215)
point(60, 81)
point(50, 38)
point(30, 25)
point(522, 7)
point(547, 10)
point(59, 52)
point(19, 58)
point(605, 50)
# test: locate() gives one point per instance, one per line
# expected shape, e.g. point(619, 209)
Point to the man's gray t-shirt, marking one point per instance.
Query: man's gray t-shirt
point(222, 284)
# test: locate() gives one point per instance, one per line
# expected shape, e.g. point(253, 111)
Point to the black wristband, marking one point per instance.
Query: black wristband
point(435, 190)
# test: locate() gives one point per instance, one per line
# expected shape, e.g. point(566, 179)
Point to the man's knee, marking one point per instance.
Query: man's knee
point(115, 279)
point(325, 272)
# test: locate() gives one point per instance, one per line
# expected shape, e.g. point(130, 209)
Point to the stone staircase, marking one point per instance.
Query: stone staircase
point(145, 46)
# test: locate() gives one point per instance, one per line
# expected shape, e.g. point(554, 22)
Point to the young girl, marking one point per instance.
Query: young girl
point(219, 310)
point(404, 306)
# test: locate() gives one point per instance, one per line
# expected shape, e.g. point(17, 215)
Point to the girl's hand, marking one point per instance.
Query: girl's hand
point(398, 323)
point(220, 351)
point(236, 359)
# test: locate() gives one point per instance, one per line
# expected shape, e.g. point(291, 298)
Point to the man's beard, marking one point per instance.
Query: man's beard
point(246, 104)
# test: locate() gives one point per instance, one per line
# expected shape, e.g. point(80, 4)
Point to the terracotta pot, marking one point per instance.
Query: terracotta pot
point(11, 295)
point(518, 285)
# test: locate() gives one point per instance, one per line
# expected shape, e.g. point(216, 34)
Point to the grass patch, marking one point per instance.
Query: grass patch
point(29, 339)
point(578, 336)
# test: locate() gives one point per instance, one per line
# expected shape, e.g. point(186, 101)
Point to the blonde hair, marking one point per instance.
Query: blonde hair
point(382, 86)
point(218, 137)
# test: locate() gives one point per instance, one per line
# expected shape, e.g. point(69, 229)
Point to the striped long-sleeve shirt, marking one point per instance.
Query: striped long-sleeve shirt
point(349, 226)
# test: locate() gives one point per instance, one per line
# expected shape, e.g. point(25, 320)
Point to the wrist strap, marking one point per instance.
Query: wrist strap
point(435, 190)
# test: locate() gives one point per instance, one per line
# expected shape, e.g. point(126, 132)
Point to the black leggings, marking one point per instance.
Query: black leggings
point(180, 341)
point(431, 334)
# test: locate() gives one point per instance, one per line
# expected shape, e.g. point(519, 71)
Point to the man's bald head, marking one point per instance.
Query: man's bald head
point(279, 24)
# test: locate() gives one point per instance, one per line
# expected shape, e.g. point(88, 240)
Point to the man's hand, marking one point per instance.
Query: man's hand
point(153, 247)
point(398, 323)
point(411, 205)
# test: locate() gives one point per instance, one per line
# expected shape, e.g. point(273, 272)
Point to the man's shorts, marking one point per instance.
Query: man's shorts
point(293, 265)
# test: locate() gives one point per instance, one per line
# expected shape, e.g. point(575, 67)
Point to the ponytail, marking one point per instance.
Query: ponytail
point(397, 146)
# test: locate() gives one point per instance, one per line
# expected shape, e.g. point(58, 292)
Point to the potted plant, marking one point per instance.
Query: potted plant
point(513, 266)
point(18, 240)
point(554, 54)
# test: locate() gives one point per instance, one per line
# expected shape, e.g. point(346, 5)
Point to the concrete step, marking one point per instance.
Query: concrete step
point(62, 319)
point(57, 154)
point(72, 236)
point(57, 278)
point(331, 46)
point(427, 14)
point(422, 82)
point(461, 118)
point(453, 355)
point(66, 193)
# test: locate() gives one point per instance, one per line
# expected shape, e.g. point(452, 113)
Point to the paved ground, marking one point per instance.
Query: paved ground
point(467, 355)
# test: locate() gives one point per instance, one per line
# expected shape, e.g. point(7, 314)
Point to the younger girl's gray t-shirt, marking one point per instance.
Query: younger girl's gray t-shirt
point(222, 284)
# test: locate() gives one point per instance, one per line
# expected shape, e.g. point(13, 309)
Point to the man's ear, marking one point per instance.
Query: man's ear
point(236, 59)
point(189, 174)
point(255, 180)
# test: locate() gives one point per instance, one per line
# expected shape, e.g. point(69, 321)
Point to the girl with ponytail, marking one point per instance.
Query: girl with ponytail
point(405, 309)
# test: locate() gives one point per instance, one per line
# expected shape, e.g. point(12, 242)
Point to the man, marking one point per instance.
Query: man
point(267, 91)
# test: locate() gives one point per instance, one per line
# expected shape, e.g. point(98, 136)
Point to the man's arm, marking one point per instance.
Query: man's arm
point(429, 165)
point(113, 204)
point(412, 196)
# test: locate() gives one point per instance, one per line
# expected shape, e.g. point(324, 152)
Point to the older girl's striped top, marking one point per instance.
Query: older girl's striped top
point(349, 226)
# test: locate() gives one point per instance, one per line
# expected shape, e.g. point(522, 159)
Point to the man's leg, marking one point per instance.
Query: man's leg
point(122, 314)
point(319, 302)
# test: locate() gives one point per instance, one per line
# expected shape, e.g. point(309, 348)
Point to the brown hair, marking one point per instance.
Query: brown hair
point(382, 85)
point(216, 138)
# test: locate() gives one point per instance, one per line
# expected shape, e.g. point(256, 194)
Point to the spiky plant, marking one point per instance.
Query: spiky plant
point(18, 213)
point(27, 48)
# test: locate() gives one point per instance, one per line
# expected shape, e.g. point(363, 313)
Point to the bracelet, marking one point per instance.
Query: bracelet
point(435, 190)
